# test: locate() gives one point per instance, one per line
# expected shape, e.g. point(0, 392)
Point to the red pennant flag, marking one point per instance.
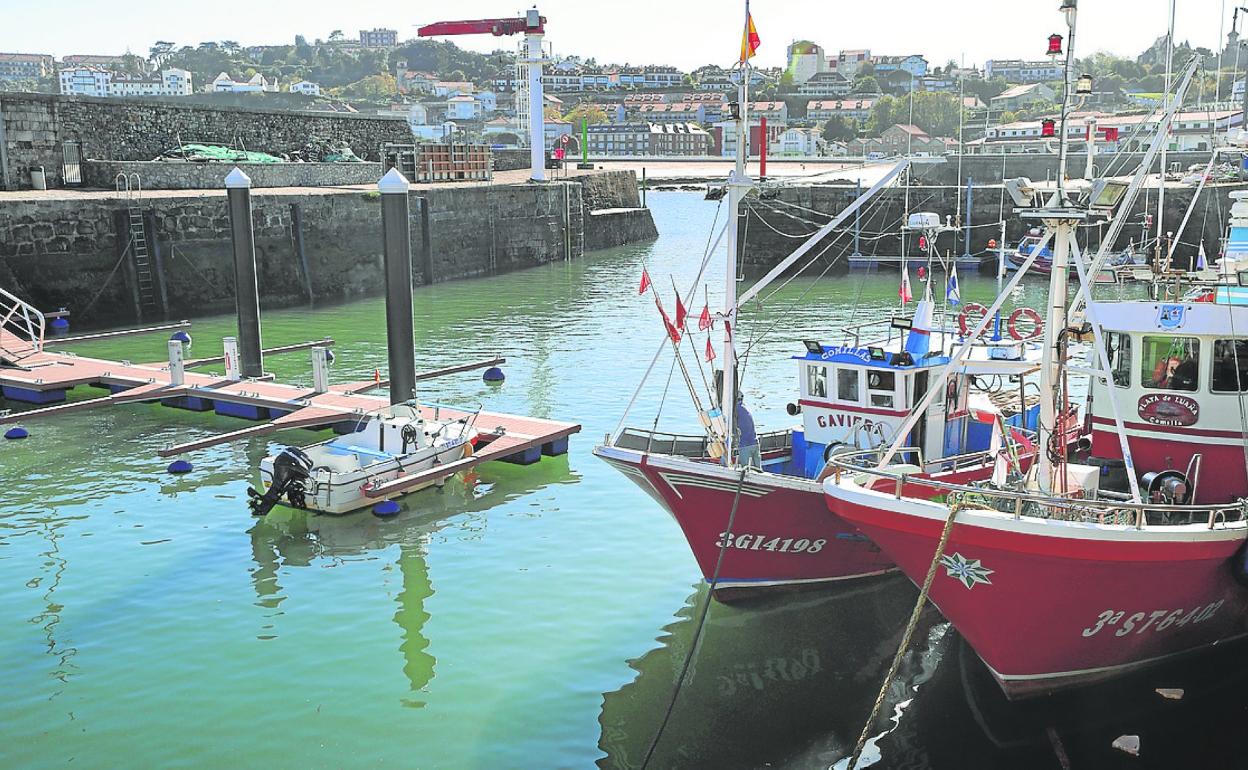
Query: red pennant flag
point(645, 281)
point(672, 331)
point(904, 290)
point(704, 320)
point(710, 350)
point(681, 313)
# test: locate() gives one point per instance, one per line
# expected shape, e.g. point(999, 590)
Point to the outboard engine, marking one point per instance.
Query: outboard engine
point(291, 468)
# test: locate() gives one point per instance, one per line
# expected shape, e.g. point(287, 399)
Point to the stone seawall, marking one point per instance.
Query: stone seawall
point(180, 175)
point(71, 252)
point(34, 128)
point(771, 226)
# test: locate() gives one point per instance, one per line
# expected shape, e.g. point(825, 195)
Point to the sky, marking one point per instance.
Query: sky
point(682, 33)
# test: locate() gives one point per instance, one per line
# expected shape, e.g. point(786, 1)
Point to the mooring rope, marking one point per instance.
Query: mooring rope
point(697, 631)
point(955, 506)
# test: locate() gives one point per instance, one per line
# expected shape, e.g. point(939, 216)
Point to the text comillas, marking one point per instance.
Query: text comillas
point(1169, 409)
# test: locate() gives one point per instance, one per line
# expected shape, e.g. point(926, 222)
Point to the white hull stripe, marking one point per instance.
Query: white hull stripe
point(675, 480)
point(768, 582)
point(1169, 436)
point(1120, 667)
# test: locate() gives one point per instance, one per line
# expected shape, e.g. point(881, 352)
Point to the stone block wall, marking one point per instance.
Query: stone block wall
point(69, 253)
point(36, 125)
point(181, 175)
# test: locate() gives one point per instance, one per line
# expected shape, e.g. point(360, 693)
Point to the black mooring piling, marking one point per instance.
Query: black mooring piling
point(246, 289)
point(400, 340)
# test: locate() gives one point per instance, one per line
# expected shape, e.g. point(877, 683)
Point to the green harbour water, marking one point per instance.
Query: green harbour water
point(522, 617)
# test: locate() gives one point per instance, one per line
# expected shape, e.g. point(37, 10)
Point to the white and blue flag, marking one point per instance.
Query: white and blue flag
point(953, 293)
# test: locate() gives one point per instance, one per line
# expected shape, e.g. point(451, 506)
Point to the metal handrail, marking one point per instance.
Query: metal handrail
point(23, 319)
point(854, 462)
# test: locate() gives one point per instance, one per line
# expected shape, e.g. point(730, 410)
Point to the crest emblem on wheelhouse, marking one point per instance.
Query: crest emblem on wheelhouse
point(1170, 316)
point(969, 571)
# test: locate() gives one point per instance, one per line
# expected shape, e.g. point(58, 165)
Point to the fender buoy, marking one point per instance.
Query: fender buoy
point(1037, 323)
point(964, 318)
point(830, 450)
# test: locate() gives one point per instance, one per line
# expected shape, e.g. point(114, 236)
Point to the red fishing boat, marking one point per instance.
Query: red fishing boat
point(762, 522)
point(1128, 549)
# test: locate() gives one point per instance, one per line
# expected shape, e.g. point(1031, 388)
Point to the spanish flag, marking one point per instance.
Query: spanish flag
point(749, 40)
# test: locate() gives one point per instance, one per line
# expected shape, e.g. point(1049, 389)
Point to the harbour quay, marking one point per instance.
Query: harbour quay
point(125, 238)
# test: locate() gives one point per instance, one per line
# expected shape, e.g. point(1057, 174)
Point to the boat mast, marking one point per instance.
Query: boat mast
point(738, 186)
point(1161, 175)
point(1055, 320)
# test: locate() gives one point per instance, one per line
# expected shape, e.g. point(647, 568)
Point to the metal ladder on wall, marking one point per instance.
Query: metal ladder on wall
point(132, 187)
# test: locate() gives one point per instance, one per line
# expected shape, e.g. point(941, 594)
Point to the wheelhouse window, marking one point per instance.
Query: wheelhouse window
point(817, 381)
point(1170, 363)
point(1118, 346)
point(847, 385)
point(881, 387)
point(1230, 366)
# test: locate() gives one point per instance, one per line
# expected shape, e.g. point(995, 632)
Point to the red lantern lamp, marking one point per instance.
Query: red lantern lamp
point(1055, 45)
point(1048, 127)
point(992, 243)
point(922, 241)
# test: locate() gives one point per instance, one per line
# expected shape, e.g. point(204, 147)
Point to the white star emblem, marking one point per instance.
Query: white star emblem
point(969, 571)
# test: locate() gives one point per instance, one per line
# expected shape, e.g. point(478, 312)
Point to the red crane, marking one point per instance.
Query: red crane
point(533, 25)
point(495, 27)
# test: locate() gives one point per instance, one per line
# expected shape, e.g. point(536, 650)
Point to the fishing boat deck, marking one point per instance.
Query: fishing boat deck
point(43, 377)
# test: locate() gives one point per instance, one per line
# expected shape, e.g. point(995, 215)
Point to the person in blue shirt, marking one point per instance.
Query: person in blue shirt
point(748, 453)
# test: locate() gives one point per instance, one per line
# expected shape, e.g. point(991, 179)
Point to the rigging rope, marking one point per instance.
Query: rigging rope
point(697, 630)
point(87, 310)
point(954, 507)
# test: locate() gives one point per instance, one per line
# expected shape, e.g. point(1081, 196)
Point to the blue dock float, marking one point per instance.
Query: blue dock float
point(189, 403)
point(245, 411)
point(32, 396)
point(555, 448)
point(527, 456)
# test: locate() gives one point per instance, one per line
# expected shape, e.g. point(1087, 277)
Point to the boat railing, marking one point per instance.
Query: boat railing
point(909, 480)
point(22, 324)
point(693, 446)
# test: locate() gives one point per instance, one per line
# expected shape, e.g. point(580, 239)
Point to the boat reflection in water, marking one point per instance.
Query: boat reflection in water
point(780, 680)
point(288, 537)
point(961, 718)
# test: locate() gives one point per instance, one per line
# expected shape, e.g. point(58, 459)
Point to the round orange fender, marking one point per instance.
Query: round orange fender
point(964, 318)
point(1037, 323)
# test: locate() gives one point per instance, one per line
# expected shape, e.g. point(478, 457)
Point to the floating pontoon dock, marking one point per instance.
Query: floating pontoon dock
point(44, 377)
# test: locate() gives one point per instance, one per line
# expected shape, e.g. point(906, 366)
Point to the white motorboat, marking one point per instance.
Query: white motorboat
point(336, 476)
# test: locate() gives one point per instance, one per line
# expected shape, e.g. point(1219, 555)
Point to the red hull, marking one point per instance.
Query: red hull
point(1051, 605)
point(1223, 476)
point(782, 534)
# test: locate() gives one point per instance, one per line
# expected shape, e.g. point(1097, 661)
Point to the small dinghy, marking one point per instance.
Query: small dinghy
point(335, 476)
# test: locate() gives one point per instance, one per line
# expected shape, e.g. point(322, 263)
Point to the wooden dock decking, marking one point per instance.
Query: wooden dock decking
point(41, 376)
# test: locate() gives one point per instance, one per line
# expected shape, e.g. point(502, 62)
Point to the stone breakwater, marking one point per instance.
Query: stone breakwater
point(71, 250)
point(771, 227)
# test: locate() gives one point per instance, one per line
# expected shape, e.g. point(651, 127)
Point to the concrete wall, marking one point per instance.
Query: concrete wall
point(617, 227)
point(510, 160)
point(36, 125)
point(181, 175)
point(68, 253)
